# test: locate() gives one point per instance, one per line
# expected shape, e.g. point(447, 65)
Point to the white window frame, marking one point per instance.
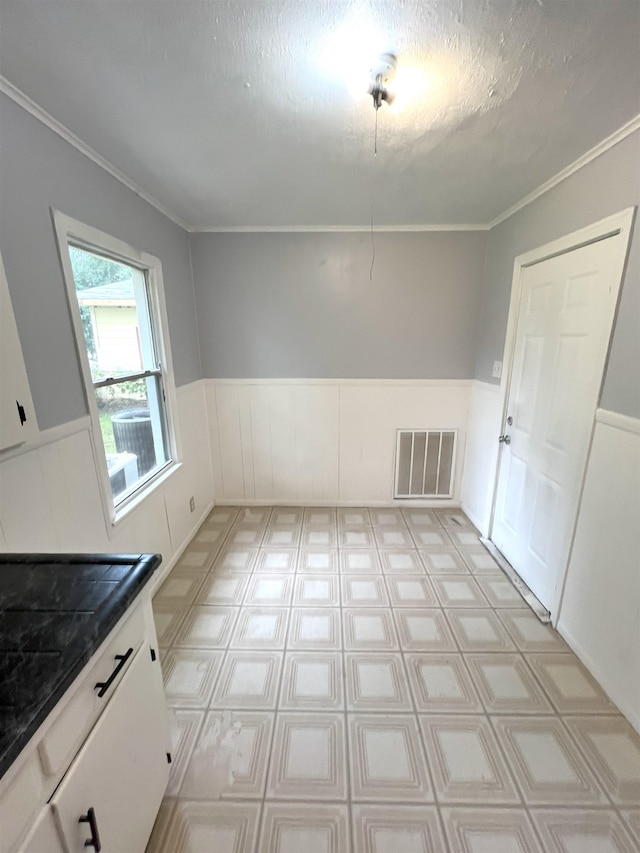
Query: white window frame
point(71, 231)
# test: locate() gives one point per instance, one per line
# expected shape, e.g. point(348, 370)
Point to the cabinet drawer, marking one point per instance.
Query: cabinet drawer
point(67, 734)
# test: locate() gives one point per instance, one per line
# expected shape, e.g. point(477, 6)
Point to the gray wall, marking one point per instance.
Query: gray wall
point(302, 305)
point(39, 170)
point(607, 185)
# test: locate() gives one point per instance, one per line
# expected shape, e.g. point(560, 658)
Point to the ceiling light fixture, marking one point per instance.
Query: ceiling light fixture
point(381, 75)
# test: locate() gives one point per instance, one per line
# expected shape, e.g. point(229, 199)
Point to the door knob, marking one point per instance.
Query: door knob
point(504, 439)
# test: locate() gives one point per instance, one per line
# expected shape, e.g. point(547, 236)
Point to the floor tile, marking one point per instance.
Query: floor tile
point(387, 518)
point(233, 559)
point(421, 518)
point(196, 558)
point(430, 538)
point(568, 684)
point(529, 633)
point(355, 561)
point(308, 758)
point(302, 828)
point(312, 681)
point(453, 519)
point(282, 537)
point(230, 757)
point(180, 590)
point(168, 620)
point(248, 680)
point(200, 827)
point(161, 825)
point(356, 537)
point(612, 749)
point(261, 628)
point(206, 627)
point(440, 561)
point(424, 630)
point(387, 828)
point(632, 818)
point(458, 591)
point(466, 762)
point(319, 515)
point(210, 539)
point(506, 685)
point(369, 630)
point(257, 516)
point(319, 537)
point(353, 517)
point(386, 760)
point(278, 560)
point(245, 537)
point(269, 589)
point(289, 516)
point(363, 591)
point(440, 683)
point(184, 727)
point(376, 682)
point(548, 767)
point(499, 591)
point(479, 631)
point(396, 537)
point(221, 588)
point(221, 516)
point(410, 591)
point(490, 830)
point(464, 537)
point(582, 831)
point(189, 676)
point(315, 628)
point(312, 560)
point(479, 560)
point(403, 562)
point(317, 591)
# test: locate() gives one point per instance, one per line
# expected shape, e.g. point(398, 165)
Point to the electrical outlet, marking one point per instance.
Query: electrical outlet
point(497, 369)
point(192, 503)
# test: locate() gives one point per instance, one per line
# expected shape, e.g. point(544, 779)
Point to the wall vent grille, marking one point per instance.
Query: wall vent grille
point(425, 461)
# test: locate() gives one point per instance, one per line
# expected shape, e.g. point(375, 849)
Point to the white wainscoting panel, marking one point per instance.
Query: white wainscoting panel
point(600, 609)
point(50, 498)
point(481, 455)
point(322, 441)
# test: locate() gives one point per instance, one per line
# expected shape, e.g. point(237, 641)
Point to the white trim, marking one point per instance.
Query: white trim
point(618, 421)
point(67, 229)
point(423, 383)
point(619, 223)
point(322, 229)
point(408, 503)
point(56, 126)
point(616, 137)
point(48, 436)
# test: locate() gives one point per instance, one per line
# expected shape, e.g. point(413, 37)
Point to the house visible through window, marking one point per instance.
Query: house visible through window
point(123, 352)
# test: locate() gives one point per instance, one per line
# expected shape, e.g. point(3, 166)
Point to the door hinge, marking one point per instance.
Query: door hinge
point(21, 413)
point(153, 653)
point(169, 759)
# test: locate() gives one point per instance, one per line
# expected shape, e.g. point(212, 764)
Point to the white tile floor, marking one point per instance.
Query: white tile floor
point(368, 681)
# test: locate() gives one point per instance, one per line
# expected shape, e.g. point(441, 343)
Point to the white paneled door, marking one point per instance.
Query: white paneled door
point(567, 306)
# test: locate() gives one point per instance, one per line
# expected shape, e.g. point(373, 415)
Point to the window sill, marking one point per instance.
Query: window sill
point(132, 503)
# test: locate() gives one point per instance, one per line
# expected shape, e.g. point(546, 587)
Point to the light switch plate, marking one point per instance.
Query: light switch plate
point(497, 369)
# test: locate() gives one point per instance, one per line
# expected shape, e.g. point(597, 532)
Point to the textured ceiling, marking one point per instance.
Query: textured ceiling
point(239, 114)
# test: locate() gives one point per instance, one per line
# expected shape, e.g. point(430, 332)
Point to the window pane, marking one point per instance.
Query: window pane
point(115, 317)
point(133, 431)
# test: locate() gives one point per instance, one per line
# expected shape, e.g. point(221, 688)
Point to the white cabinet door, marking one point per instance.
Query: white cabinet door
point(17, 416)
point(121, 772)
point(44, 836)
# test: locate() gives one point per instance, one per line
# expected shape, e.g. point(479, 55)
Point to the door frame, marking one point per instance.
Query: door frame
point(619, 223)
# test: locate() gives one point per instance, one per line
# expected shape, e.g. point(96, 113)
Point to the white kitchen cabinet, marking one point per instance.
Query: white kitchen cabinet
point(44, 837)
point(17, 415)
point(121, 772)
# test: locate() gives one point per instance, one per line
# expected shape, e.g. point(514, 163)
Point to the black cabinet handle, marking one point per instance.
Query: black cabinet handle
point(94, 841)
point(21, 413)
point(105, 685)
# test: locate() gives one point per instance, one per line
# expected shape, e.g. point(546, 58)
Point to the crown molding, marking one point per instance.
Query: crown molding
point(616, 137)
point(57, 127)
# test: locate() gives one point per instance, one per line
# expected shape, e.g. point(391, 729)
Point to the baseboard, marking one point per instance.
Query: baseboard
point(165, 569)
point(473, 518)
point(417, 504)
point(631, 714)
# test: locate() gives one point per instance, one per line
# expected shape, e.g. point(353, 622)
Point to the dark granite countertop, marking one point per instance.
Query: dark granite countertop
point(55, 612)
